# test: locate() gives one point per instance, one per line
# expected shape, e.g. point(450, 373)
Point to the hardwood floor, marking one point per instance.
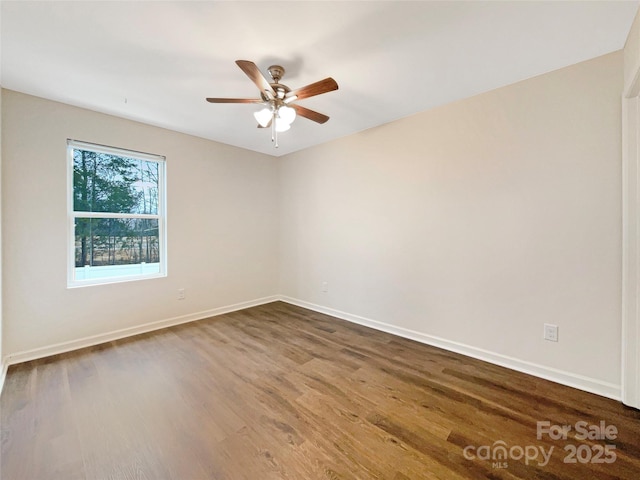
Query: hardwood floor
point(280, 392)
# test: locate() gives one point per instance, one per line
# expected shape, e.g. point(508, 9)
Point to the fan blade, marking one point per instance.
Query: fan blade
point(253, 72)
point(323, 86)
point(235, 100)
point(310, 114)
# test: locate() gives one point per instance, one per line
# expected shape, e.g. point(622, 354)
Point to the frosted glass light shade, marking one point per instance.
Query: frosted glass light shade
point(263, 116)
point(281, 126)
point(287, 114)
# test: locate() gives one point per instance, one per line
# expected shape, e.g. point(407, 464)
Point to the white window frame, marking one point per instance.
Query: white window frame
point(72, 282)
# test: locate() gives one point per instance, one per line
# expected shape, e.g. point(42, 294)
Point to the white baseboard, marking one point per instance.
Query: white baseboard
point(63, 347)
point(580, 382)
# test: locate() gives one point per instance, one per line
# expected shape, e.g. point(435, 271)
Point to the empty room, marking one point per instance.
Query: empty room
point(333, 240)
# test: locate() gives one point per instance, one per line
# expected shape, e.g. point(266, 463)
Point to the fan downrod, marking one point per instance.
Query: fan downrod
point(276, 72)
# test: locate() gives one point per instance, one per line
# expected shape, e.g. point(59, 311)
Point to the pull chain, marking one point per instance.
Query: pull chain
point(274, 132)
point(273, 128)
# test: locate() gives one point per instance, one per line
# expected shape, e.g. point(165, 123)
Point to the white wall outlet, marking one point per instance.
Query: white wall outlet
point(325, 287)
point(181, 294)
point(550, 332)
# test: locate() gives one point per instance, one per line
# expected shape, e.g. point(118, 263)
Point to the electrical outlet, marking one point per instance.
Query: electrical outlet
point(181, 294)
point(325, 287)
point(550, 332)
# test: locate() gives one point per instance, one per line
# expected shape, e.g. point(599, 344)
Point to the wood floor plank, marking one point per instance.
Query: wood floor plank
point(277, 392)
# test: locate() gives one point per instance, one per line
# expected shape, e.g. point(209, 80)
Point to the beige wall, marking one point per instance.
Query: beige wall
point(472, 224)
point(632, 54)
point(222, 240)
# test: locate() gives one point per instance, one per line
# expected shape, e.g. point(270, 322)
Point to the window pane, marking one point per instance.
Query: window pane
point(111, 183)
point(113, 247)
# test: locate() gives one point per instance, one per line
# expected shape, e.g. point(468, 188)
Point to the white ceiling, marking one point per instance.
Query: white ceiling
point(155, 62)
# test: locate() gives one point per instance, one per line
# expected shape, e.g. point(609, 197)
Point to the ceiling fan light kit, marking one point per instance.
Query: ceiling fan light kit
point(278, 110)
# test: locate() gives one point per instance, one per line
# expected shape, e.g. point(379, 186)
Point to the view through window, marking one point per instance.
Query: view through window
point(116, 214)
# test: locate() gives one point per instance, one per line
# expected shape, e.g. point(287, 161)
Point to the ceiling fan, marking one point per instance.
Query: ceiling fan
point(279, 111)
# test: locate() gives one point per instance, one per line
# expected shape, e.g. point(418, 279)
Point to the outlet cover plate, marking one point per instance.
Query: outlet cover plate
point(550, 332)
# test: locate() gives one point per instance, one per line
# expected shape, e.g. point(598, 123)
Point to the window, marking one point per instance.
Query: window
point(116, 215)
